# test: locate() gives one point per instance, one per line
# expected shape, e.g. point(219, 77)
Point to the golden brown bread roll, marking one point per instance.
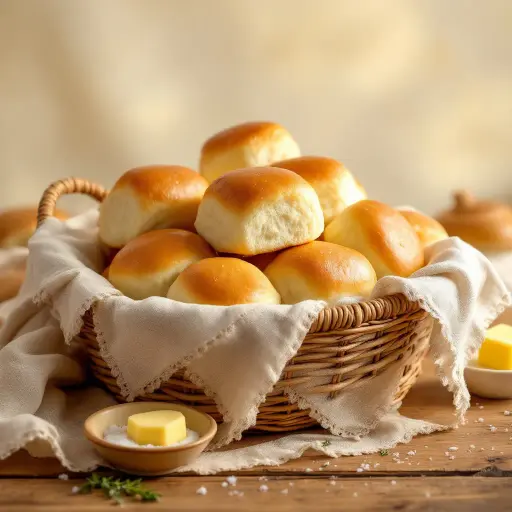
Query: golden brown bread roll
point(380, 233)
point(334, 184)
point(259, 210)
point(486, 225)
point(150, 263)
point(10, 283)
point(17, 225)
point(223, 282)
point(149, 198)
point(321, 271)
point(429, 231)
point(245, 145)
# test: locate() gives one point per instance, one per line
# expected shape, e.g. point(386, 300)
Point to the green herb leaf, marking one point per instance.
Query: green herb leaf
point(326, 443)
point(383, 453)
point(117, 489)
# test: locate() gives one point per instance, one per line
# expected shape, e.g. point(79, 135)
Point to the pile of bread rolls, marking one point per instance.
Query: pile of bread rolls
point(258, 224)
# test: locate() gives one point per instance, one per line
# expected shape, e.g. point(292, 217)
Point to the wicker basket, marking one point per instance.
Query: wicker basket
point(348, 343)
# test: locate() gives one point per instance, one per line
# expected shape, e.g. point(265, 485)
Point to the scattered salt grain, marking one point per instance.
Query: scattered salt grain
point(325, 464)
point(492, 428)
point(482, 449)
point(472, 446)
point(75, 489)
point(480, 407)
point(396, 454)
point(284, 491)
point(447, 453)
point(492, 448)
point(202, 491)
point(231, 480)
point(412, 452)
point(63, 476)
point(507, 413)
point(355, 495)
point(451, 457)
point(262, 478)
point(263, 488)
point(430, 458)
point(453, 448)
point(480, 420)
point(308, 470)
point(224, 484)
point(393, 482)
point(332, 482)
point(376, 465)
point(359, 470)
point(291, 484)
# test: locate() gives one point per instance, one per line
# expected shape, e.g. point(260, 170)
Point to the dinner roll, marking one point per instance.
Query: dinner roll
point(258, 210)
point(149, 264)
point(149, 198)
point(17, 225)
point(223, 282)
point(382, 234)
point(333, 182)
point(262, 261)
point(245, 145)
point(428, 229)
point(321, 271)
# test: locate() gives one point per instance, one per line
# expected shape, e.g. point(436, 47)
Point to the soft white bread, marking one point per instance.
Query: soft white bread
point(429, 231)
point(149, 264)
point(259, 210)
point(245, 145)
point(382, 234)
point(334, 184)
point(18, 225)
point(149, 198)
point(321, 271)
point(223, 282)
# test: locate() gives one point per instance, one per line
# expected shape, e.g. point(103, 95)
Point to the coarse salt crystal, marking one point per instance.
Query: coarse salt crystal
point(396, 454)
point(359, 470)
point(492, 428)
point(284, 491)
point(507, 413)
point(453, 448)
point(308, 470)
point(262, 478)
point(393, 482)
point(451, 457)
point(325, 464)
point(472, 446)
point(263, 488)
point(332, 482)
point(224, 484)
point(480, 407)
point(492, 448)
point(75, 489)
point(63, 476)
point(447, 453)
point(480, 420)
point(376, 465)
point(231, 480)
point(412, 452)
point(430, 458)
point(202, 491)
point(291, 484)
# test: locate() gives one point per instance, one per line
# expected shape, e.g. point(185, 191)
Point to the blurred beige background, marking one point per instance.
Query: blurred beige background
point(414, 96)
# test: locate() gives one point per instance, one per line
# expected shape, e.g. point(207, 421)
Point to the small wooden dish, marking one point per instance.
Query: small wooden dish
point(488, 383)
point(148, 461)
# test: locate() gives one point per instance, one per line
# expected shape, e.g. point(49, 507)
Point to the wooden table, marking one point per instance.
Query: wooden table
point(475, 474)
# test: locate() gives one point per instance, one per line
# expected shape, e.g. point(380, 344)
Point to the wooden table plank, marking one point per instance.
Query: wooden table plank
point(363, 493)
point(427, 400)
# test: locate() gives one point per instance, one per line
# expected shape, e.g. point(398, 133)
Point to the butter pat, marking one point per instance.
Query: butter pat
point(496, 350)
point(158, 428)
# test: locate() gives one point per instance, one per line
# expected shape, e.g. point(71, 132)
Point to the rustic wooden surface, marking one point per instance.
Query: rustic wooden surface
point(477, 474)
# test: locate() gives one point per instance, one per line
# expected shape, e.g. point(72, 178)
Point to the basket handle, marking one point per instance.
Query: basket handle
point(59, 188)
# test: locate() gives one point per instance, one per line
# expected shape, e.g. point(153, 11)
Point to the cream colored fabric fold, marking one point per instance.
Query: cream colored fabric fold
point(236, 354)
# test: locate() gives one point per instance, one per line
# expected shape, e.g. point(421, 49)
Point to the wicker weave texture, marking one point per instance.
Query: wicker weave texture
point(346, 345)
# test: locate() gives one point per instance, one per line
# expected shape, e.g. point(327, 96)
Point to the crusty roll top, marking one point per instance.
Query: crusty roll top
point(223, 282)
point(321, 270)
point(246, 145)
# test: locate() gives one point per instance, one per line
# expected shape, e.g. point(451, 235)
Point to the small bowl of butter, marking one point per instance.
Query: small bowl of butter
point(490, 376)
point(148, 438)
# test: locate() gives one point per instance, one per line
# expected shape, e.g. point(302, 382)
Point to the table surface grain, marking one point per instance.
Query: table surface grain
point(467, 469)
